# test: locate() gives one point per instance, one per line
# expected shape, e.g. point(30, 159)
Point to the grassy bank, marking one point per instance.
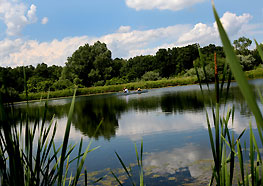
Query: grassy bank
point(111, 88)
point(253, 74)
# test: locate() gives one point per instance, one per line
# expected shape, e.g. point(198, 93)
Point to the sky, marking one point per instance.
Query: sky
point(36, 31)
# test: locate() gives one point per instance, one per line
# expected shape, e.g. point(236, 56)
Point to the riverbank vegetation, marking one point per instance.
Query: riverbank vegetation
point(92, 69)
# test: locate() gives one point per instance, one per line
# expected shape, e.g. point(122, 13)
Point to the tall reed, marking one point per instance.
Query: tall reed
point(224, 165)
point(28, 154)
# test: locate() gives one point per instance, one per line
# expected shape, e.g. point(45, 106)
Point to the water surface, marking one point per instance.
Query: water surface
point(171, 121)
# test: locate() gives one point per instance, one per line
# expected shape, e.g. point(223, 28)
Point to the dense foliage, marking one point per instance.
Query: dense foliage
point(92, 65)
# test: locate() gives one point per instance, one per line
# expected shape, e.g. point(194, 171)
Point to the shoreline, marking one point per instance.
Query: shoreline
point(100, 93)
point(110, 89)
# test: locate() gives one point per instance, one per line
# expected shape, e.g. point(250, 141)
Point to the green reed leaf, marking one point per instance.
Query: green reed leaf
point(80, 166)
point(66, 138)
point(238, 72)
point(125, 168)
point(116, 178)
point(260, 51)
point(251, 154)
point(240, 158)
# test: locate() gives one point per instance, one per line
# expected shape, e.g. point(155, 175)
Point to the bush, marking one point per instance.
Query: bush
point(62, 84)
point(257, 73)
point(151, 76)
point(115, 81)
point(43, 86)
point(210, 72)
point(99, 83)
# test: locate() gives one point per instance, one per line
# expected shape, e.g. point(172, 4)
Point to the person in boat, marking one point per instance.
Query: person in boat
point(125, 90)
point(139, 89)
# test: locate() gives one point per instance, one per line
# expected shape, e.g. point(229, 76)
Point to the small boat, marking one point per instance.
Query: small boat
point(132, 92)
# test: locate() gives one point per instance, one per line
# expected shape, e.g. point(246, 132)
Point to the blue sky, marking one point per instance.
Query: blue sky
point(33, 32)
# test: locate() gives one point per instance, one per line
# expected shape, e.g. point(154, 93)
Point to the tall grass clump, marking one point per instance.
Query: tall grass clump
point(29, 155)
point(227, 151)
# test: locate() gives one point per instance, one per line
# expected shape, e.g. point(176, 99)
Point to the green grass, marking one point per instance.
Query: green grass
point(110, 88)
point(254, 74)
point(28, 152)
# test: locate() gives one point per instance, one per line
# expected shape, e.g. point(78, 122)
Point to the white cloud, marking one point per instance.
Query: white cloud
point(205, 34)
point(124, 29)
point(44, 20)
point(56, 52)
point(19, 52)
point(174, 5)
point(137, 42)
point(31, 14)
point(125, 42)
point(16, 16)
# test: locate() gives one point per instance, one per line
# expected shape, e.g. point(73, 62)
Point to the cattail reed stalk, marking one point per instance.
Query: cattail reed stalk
point(216, 80)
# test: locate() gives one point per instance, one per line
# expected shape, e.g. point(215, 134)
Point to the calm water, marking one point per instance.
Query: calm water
point(171, 122)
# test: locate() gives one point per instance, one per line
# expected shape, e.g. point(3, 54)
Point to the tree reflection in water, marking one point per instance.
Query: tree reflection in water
point(90, 110)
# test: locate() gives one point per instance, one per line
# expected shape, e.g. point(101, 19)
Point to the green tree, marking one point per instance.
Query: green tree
point(117, 64)
point(135, 67)
point(241, 45)
point(166, 61)
point(246, 61)
point(90, 63)
point(185, 58)
point(42, 71)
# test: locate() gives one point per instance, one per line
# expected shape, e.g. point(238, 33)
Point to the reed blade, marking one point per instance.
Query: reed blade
point(238, 72)
point(66, 138)
point(116, 178)
point(260, 51)
point(80, 166)
point(125, 168)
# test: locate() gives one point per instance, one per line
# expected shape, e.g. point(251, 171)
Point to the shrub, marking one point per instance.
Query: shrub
point(151, 76)
point(62, 84)
point(99, 83)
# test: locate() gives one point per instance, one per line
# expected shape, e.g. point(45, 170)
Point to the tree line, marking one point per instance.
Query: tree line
point(92, 65)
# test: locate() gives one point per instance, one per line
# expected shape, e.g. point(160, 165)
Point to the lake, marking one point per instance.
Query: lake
point(170, 121)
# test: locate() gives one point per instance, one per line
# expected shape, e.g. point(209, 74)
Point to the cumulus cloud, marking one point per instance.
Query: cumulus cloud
point(31, 14)
point(19, 52)
point(44, 20)
point(174, 5)
point(125, 42)
point(203, 33)
point(128, 44)
point(16, 16)
point(122, 44)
